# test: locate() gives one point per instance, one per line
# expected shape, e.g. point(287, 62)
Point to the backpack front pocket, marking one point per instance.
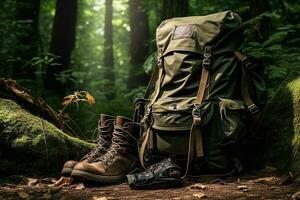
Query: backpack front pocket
point(173, 114)
point(231, 115)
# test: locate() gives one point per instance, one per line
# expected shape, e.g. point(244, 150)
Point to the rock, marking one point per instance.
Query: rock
point(31, 145)
point(281, 122)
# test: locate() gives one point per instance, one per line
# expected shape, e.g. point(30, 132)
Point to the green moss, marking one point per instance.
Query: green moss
point(34, 144)
point(282, 122)
point(20, 141)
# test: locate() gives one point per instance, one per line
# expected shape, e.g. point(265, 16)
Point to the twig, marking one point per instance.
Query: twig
point(45, 140)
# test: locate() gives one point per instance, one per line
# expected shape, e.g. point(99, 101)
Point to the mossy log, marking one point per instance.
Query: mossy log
point(281, 120)
point(32, 145)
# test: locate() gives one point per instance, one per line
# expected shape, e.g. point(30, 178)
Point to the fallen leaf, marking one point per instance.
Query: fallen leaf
point(80, 187)
point(29, 181)
point(199, 195)
point(242, 187)
point(23, 195)
point(99, 198)
point(198, 186)
point(266, 180)
point(296, 196)
point(63, 181)
point(287, 179)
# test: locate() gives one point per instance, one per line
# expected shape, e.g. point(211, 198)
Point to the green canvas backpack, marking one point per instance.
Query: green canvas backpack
point(203, 91)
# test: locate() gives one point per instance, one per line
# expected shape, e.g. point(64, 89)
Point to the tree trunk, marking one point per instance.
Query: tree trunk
point(108, 51)
point(262, 27)
point(62, 44)
point(27, 15)
point(174, 8)
point(140, 40)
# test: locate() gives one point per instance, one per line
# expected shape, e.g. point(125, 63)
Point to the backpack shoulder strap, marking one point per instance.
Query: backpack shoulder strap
point(245, 62)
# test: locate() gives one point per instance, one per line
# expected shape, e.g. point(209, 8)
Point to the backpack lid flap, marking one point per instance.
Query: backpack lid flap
point(193, 33)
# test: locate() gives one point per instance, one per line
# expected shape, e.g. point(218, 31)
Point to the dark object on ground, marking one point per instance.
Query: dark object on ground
point(159, 175)
point(105, 129)
point(119, 160)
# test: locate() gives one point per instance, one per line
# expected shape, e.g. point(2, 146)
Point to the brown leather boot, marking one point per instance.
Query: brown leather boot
point(119, 160)
point(105, 129)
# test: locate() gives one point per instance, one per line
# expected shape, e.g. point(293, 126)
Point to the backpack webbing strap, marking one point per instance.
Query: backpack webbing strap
point(245, 62)
point(149, 107)
point(195, 138)
point(143, 148)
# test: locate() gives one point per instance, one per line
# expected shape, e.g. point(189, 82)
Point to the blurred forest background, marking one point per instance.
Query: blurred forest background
point(107, 47)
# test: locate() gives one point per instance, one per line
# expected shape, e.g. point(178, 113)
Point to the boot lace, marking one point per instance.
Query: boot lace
point(102, 143)
point(121, 140)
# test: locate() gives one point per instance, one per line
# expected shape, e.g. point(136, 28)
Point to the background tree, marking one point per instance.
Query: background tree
point(174, 8)
point(62, 44)
point(262, 26)
point(140, 40)
point(108, 60)
point(27, 38)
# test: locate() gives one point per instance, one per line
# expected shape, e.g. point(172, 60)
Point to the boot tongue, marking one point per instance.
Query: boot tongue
point(104, 118)
point(120, 121)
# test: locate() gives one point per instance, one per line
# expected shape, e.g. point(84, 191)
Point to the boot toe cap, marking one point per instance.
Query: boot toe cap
point(70, 164)
point(94, 168)
point(68, 167)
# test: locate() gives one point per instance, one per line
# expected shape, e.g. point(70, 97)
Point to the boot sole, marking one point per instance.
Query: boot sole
point(66, 171)
point(86, 176)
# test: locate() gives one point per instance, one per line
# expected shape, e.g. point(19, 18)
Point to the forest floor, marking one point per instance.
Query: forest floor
point(248, 186)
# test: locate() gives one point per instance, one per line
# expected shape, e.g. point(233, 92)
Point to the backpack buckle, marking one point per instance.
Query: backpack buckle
point(245, 61)
point(197, 113)
point(207, 55)
point(253, 109)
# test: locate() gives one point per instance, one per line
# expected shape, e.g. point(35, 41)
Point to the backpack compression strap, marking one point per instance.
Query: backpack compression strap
point(160, 74)
point(245, 62)
point(195, 139)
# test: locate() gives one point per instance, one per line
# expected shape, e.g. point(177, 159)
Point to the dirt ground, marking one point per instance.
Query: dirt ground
point(248, 186)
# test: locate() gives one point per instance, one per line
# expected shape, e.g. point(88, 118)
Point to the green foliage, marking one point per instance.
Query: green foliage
point(280, 51)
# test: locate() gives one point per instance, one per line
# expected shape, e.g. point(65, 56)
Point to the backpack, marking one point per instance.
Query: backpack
point(203, 92)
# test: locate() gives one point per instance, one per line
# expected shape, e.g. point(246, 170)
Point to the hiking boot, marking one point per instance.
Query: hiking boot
point(159, 175)
point(105, 129)
point(119, 160)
